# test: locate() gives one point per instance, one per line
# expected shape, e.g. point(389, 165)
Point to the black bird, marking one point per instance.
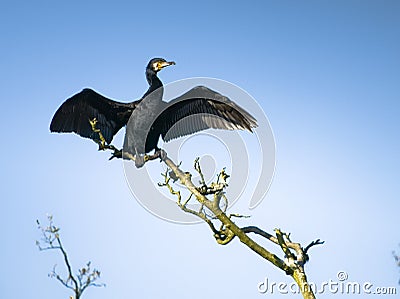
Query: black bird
point(110, 116)
point(149, 117)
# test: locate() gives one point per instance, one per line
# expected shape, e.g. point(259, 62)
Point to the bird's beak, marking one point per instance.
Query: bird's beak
point(166, 63)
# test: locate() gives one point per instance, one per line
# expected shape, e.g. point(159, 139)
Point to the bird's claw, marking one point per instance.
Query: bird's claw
point(141, 160)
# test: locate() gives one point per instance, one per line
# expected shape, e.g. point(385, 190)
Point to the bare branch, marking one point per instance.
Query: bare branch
point(183, 206)
point(198, 169)
point(85, 278)
point(294, 262)
point(259, 231)
point(230, 227)
point(286, 250)
point(313, 243)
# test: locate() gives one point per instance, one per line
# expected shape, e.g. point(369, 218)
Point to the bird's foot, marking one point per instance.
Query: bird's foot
point(158, 153)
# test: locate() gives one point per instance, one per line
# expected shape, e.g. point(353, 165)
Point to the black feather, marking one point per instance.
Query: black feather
point(74, 115)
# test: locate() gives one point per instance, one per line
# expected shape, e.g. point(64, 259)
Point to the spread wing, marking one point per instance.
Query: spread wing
point(74, 115)
point(199, 109)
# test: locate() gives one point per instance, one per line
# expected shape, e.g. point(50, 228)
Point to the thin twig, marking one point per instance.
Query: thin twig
point(86, 276)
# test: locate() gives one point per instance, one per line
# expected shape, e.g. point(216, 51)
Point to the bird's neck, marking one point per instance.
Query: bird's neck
point(154, 82)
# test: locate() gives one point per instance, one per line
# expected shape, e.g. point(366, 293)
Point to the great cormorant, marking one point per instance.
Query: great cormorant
point(74, 114)
point(149, 117)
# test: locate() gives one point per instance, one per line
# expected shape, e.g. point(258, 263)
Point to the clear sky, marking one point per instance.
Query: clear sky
point(326, 73)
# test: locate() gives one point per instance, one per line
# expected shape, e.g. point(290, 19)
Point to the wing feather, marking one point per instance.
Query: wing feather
point(199, 109)
point(74, 115)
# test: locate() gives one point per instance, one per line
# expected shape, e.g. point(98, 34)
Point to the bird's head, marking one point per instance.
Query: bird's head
point(157, 64)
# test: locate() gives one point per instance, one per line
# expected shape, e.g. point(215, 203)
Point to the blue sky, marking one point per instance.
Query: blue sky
point(326, 74)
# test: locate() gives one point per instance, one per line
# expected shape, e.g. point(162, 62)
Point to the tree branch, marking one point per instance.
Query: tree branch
point(294, 262)
point(86, 276)
point(231, 228)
